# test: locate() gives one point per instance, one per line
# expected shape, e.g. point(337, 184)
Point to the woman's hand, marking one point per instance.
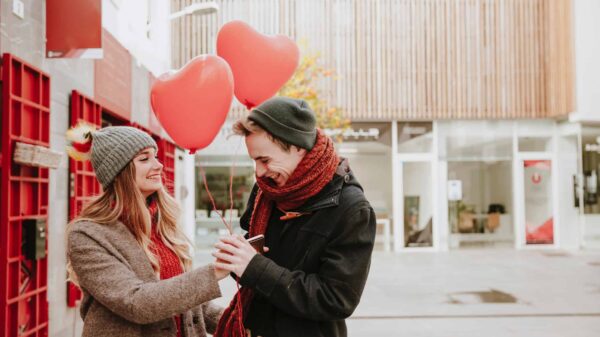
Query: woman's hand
point(234, 254)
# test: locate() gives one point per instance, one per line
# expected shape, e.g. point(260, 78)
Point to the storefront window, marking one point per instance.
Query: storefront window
point(477, 140)
point(480, 200)
point(367, 146)
point(479, 158)
point(418, 204)
point(208, 223)
point(591, 167)
point(415, 137)
point(535, 144)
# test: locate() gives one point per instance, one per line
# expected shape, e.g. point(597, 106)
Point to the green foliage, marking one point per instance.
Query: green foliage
point(304, 85)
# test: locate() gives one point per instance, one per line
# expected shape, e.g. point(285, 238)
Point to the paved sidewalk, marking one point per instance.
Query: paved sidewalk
point(476, 293)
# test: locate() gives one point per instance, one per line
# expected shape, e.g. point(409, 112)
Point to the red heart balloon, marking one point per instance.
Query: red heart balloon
point(192, 103)
point(260, 64)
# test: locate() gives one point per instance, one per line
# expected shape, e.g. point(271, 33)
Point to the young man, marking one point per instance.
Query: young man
point(318, 226)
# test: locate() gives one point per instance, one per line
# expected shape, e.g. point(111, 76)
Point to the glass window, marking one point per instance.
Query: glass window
point(418, 204)
point(535, 144)
point(208, 222)
point(591, 170)
point(415, 137)
point(477, 140)
point(480, 201)
point(367, 146)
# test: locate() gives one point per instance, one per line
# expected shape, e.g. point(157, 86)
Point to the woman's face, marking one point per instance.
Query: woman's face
point(148, 171)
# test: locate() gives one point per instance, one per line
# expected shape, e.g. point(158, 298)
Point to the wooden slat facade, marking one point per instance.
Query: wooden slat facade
point(416, 59)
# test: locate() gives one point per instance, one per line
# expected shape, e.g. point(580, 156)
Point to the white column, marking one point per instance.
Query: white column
point(441, 232)
point(396, 215)
point(185, 182)
point(587, 53)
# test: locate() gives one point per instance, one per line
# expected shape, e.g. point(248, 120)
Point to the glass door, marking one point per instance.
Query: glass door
point(416, 203)
point(538, 211)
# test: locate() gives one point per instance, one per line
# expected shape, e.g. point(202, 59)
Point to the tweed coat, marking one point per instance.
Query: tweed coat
point(124, 297)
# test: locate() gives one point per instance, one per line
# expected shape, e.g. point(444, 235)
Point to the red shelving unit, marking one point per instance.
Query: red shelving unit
point(24, 196)
point(83, 185)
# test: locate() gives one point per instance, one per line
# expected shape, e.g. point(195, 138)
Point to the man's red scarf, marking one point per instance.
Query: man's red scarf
point(310, 176)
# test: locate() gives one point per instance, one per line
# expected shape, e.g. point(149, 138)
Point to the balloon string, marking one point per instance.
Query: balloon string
point(239, 307)
point(231, 174)
point(212, 200)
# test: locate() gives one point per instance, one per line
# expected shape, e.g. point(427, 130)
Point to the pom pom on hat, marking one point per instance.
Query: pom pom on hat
point(80, 137)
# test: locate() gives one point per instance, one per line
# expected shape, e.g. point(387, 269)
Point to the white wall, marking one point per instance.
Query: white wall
point(587, 54)
point(127, 21)
point(569, 221)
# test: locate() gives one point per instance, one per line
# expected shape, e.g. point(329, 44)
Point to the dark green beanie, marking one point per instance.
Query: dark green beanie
point(288, 119)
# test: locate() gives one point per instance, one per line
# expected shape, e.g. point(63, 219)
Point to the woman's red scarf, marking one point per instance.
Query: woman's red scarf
point(169, 263)
point(310, 176)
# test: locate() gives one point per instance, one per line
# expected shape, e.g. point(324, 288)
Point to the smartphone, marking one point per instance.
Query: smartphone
point(258, 242)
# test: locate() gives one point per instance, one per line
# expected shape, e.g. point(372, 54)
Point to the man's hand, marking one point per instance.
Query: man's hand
point(220, 273)
point(234, 254)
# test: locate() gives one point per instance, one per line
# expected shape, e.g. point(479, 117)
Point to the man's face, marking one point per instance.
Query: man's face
point(272, 161)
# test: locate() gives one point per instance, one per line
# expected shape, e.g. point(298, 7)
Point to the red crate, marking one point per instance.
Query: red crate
point(83, 185)
point(24, 195)
point(110, 118)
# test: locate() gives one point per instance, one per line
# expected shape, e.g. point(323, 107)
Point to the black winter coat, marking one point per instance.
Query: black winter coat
point(314, 274)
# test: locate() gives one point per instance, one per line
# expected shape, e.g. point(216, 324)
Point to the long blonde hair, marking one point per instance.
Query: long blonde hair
point(123, 201)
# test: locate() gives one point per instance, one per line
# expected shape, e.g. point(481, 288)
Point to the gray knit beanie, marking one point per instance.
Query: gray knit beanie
point(114, 147)
point(288, 119)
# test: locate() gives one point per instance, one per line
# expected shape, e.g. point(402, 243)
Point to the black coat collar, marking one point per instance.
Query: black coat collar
point(330, 194)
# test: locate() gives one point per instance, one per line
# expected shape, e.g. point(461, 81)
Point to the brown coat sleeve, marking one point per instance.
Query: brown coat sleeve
point(212, 315)
point(115, 285)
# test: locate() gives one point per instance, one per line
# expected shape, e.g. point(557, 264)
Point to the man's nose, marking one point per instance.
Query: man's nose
point(260, 170)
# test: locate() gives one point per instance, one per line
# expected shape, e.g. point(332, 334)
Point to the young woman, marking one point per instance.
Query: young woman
point(125, 250)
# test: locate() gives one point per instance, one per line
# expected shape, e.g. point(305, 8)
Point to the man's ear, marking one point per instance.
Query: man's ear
point(301, 152)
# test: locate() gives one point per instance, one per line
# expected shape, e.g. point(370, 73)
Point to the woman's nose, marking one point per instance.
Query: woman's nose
point(157, 164)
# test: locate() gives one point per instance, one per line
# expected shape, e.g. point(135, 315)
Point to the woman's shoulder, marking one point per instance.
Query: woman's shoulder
point(88, 226)
point(113, 232)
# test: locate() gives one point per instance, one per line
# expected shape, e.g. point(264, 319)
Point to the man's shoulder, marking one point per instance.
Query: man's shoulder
point(352, 195)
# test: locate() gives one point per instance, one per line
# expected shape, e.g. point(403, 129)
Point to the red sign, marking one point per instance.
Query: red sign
point(74, 28)
point(112, 75)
